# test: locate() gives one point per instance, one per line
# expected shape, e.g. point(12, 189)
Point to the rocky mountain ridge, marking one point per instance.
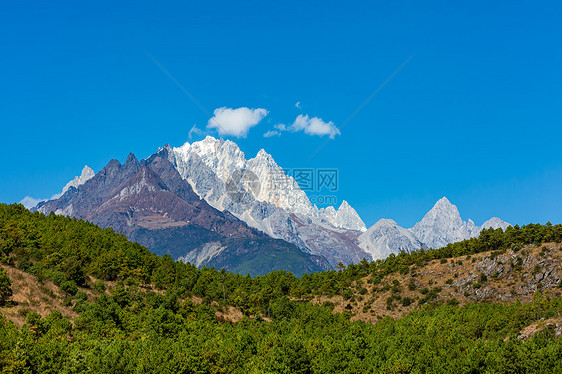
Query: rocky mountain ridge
point(255, 192)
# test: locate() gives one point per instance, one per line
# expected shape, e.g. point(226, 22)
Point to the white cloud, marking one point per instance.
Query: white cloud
point(195, 131)
point(30, 202)
point(298, 104)
point(311, 126)
point(236, 122)
point(271, 133)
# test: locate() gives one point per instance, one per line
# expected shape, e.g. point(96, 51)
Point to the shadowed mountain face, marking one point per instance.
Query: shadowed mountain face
point(150, 203)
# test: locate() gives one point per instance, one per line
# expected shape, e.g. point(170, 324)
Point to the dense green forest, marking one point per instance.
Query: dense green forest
point(147, 322)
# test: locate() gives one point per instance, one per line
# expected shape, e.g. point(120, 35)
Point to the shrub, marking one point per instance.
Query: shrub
point(5, 287)
point(406, 301)
point(412, 285)
point(99, 286)
point(69, 287)
point(453, 302)
point(81, 295)
point(25, 265)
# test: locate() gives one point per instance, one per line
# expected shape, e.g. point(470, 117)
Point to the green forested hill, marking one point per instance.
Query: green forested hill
point(147, 320)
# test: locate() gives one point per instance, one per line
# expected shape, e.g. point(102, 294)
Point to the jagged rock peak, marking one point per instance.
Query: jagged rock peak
point(166, 148)
point(263, 154)
point(443, 204)
point(86, 174)
point(442, 225)
point(348, 218)
point(131, 161)
point(112, 164)
point(344, 217)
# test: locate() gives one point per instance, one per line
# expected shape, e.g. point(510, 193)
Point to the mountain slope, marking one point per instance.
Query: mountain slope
point(150, 203)
point(119, 308)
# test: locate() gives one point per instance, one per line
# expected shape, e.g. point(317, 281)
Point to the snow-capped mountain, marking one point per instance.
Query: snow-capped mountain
point(443, 225)
point(152, 204)
point(224, 159)
point(386, 237)
point(86, 175)
point(345, 217)
point(440, 226)
point(494, 223)
point(274, 205)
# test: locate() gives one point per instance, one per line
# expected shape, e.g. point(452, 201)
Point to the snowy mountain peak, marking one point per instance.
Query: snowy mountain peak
point(266, 157)
point(263, 153)
point(344, 217)
point(443, 201)
point(348, 218)
point(444, 205)
point(386, 237)
point(166, 148)
point(384, 222)
point(86, 174)
point(495, 223)
point(442, 225)
point(265, 161)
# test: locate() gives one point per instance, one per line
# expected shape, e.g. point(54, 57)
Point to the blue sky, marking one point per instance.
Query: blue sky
point(475, 114)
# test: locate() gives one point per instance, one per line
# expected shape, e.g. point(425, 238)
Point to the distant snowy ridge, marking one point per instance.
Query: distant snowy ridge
point(86, 174)
point(440, 226)
point(386, 237)
point(443, 225)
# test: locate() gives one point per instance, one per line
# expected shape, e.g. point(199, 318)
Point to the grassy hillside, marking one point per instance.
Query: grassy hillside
point(83, 299)
point(491, 277)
